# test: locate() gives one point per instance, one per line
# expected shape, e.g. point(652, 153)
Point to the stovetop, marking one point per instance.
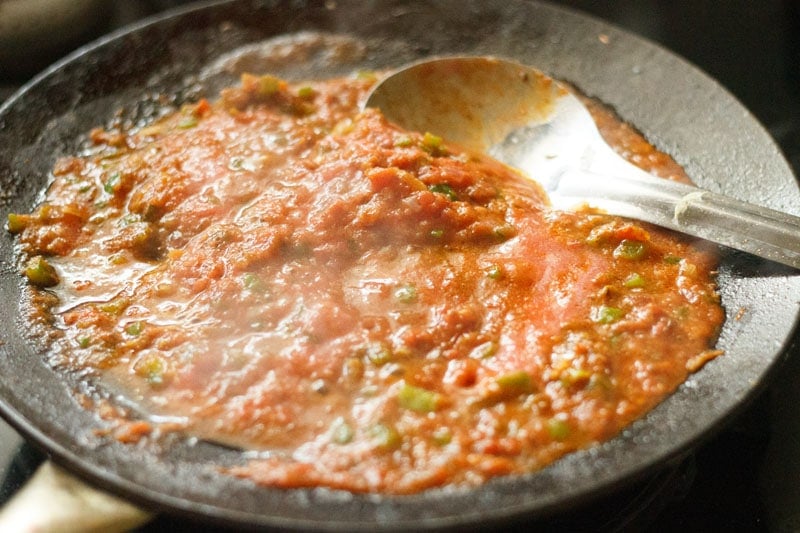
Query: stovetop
point(745, 477)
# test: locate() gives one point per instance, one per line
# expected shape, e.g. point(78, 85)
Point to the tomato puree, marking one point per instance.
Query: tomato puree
point(363, 307)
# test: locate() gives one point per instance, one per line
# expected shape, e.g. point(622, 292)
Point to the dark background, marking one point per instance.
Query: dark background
point(745, 478)
point(750, 47)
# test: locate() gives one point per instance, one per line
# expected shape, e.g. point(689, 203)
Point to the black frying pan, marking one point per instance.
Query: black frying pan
point(680, 109)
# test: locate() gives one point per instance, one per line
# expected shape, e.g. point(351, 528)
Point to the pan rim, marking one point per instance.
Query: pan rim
point(145, 495)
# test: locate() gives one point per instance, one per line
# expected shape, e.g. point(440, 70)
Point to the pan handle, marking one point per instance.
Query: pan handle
point(54, 501)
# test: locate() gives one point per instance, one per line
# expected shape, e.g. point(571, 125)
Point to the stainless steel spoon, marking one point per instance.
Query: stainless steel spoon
point(531, 122)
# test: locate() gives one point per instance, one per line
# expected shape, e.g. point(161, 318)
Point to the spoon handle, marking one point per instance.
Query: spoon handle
point(700, 213)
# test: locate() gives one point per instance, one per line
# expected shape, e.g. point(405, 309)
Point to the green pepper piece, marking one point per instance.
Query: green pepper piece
point(419, 399)
point(268, 85)
point(558, 428)
point(134, 328)
point(379, 353)
point(575, 376)
point(442, 436)
point(252, 282)
point(305, 92)
point(515, 383)
point(385, 437)
point(153, 370)
point(366, 75)
point(41, 273)
point(17, 223)
point(187, 123)
point(431, 143)
point(505, 387)
point(504, 232)
point(634, 281)
point(494, 272)
point(484, 351)
point(404, 141)
point(445, 189)
point(630, 249)
point(606, 314)
point(115, 306)
point(406, 294)
point(112, 183)
point(236, 163)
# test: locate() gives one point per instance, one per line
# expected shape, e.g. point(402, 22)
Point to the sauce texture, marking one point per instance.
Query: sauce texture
point(367, 308)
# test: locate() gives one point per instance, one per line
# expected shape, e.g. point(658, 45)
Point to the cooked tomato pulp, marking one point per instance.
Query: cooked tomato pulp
point(371, 308)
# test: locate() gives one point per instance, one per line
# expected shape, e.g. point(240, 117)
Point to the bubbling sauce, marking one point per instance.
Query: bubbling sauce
point(369, 308)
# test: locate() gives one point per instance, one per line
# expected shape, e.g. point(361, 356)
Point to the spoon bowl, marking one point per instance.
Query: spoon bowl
point(529, 121)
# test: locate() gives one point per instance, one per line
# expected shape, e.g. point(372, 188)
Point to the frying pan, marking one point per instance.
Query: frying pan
point(182, 56)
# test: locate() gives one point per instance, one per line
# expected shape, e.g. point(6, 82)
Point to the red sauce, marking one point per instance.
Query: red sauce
point(371, 308)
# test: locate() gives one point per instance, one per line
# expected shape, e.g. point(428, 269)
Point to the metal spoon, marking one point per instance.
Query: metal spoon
point(529, 121)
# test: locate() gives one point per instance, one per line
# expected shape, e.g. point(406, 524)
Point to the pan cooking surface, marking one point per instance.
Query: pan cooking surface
point(721, 146)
